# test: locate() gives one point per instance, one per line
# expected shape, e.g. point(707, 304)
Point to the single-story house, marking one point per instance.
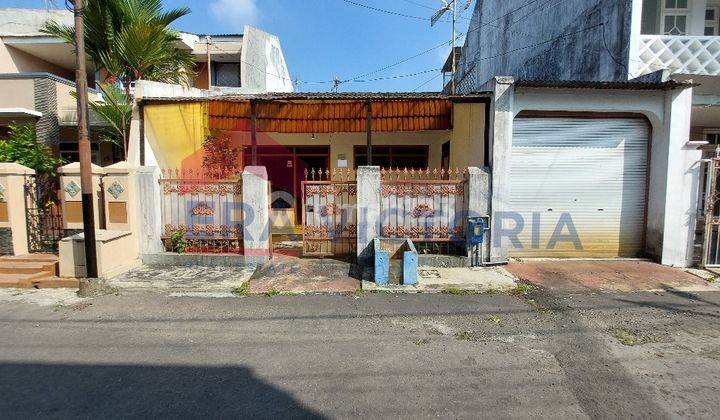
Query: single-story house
point(577, 169)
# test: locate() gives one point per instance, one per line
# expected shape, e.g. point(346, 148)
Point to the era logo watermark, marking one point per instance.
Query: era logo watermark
point(564, 231)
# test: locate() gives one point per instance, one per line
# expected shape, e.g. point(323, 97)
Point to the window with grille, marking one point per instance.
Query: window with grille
point(411, 157)
point(712, 21)
point(676, 17)
point(227, 74)
point(712, 137)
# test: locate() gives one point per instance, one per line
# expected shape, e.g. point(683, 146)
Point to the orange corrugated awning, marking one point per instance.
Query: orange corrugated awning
point(332, 116)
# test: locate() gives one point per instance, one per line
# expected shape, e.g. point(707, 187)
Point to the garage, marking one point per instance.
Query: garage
point(578, 186)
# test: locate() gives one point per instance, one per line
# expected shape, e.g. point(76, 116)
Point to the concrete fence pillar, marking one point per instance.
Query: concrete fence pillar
point(13, 222)
point(478, 198)
point(71, 197)
point(501, 132)
point(368, 210)
point(149, 218)
point(256, 213)
point(119, 197)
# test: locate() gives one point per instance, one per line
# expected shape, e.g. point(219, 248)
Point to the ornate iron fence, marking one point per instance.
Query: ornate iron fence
point(201, 215)
point(427, 206)
point(711, 255)
point(43, 213)
point(329, 212)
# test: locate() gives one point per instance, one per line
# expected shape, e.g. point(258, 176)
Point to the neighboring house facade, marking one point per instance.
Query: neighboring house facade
point(37, 76)
point(251, 62)
point(591, 121)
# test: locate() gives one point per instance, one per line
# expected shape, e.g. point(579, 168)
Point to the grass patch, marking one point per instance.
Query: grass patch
point(458, 291)
point(273, 292)
point(466, 336)
point(242, 290)
point(381, 292)
point(521, 290)
point(422, 341)
point(359, 292)
point(629, 338)
point(496, 319)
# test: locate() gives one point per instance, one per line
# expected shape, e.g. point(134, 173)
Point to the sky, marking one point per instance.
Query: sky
point(327, 39)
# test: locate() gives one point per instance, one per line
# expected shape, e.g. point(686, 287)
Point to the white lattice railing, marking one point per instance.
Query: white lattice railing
point(679, 54)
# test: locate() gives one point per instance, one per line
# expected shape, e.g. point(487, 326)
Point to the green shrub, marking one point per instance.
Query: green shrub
point(178, 241)
point(22, 147)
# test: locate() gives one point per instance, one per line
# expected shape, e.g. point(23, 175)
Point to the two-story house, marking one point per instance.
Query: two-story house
point(595, 122)
point(37, 76)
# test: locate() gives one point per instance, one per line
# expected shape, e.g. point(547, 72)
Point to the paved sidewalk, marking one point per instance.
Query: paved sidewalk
point(454, 279)
point(191, 280)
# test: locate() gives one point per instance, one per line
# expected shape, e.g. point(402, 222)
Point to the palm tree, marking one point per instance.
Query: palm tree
point(131, 40)
point(116, 110)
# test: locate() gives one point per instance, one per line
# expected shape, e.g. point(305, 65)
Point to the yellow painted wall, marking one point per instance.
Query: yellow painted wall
point(467, 147)
point(175, 131)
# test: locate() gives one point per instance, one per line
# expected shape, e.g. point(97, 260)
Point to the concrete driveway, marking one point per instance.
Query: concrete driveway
point(606, 275)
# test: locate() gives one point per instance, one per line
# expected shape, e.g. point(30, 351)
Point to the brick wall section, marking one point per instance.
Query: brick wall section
point(6, 246)
point(48, 126)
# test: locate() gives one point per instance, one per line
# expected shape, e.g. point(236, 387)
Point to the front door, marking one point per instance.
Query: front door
point(286, 166)
point(306, 162)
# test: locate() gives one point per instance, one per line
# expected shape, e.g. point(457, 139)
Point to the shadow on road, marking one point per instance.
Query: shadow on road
point(114, 391)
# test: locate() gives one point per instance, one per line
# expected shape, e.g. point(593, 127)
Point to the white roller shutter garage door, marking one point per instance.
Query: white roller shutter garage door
point(578, 186)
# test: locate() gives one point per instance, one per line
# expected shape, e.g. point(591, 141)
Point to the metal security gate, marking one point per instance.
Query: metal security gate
point(43, 214)
point(578, 186)
point(711, 205)
point(329, 213)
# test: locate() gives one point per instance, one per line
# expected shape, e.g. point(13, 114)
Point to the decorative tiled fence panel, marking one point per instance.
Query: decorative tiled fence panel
point(329, 213)
point(679, 54)
point(208, 213)
point(425, 206)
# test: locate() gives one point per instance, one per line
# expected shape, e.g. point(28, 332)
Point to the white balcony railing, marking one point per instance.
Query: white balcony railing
point(679, 54)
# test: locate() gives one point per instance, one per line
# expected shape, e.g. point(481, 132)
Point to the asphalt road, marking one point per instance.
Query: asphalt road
point(145, 355)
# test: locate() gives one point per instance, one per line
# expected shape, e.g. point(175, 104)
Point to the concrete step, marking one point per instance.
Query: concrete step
point(21, 280)
point(20, 267)
point(31, 258)
point(56, 283)
point(40, 280)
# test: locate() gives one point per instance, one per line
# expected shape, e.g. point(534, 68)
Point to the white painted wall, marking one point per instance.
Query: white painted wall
point(263, 67)
point(674, 174)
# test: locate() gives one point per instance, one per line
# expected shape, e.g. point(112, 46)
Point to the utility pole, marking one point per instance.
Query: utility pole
point(452, 81)
point(452, 7)
point(86, 185)
point(207, 53)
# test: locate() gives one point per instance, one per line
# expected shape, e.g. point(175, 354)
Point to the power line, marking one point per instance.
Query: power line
point(426, 82)
point(389, 12)
point(429, 7)
point(399, 76)
point(460, 35)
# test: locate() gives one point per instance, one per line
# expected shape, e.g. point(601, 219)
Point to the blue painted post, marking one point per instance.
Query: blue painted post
point(410, 268)
point(382, 267)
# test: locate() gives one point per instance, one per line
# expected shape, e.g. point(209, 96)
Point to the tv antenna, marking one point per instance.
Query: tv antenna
point(450, 6)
